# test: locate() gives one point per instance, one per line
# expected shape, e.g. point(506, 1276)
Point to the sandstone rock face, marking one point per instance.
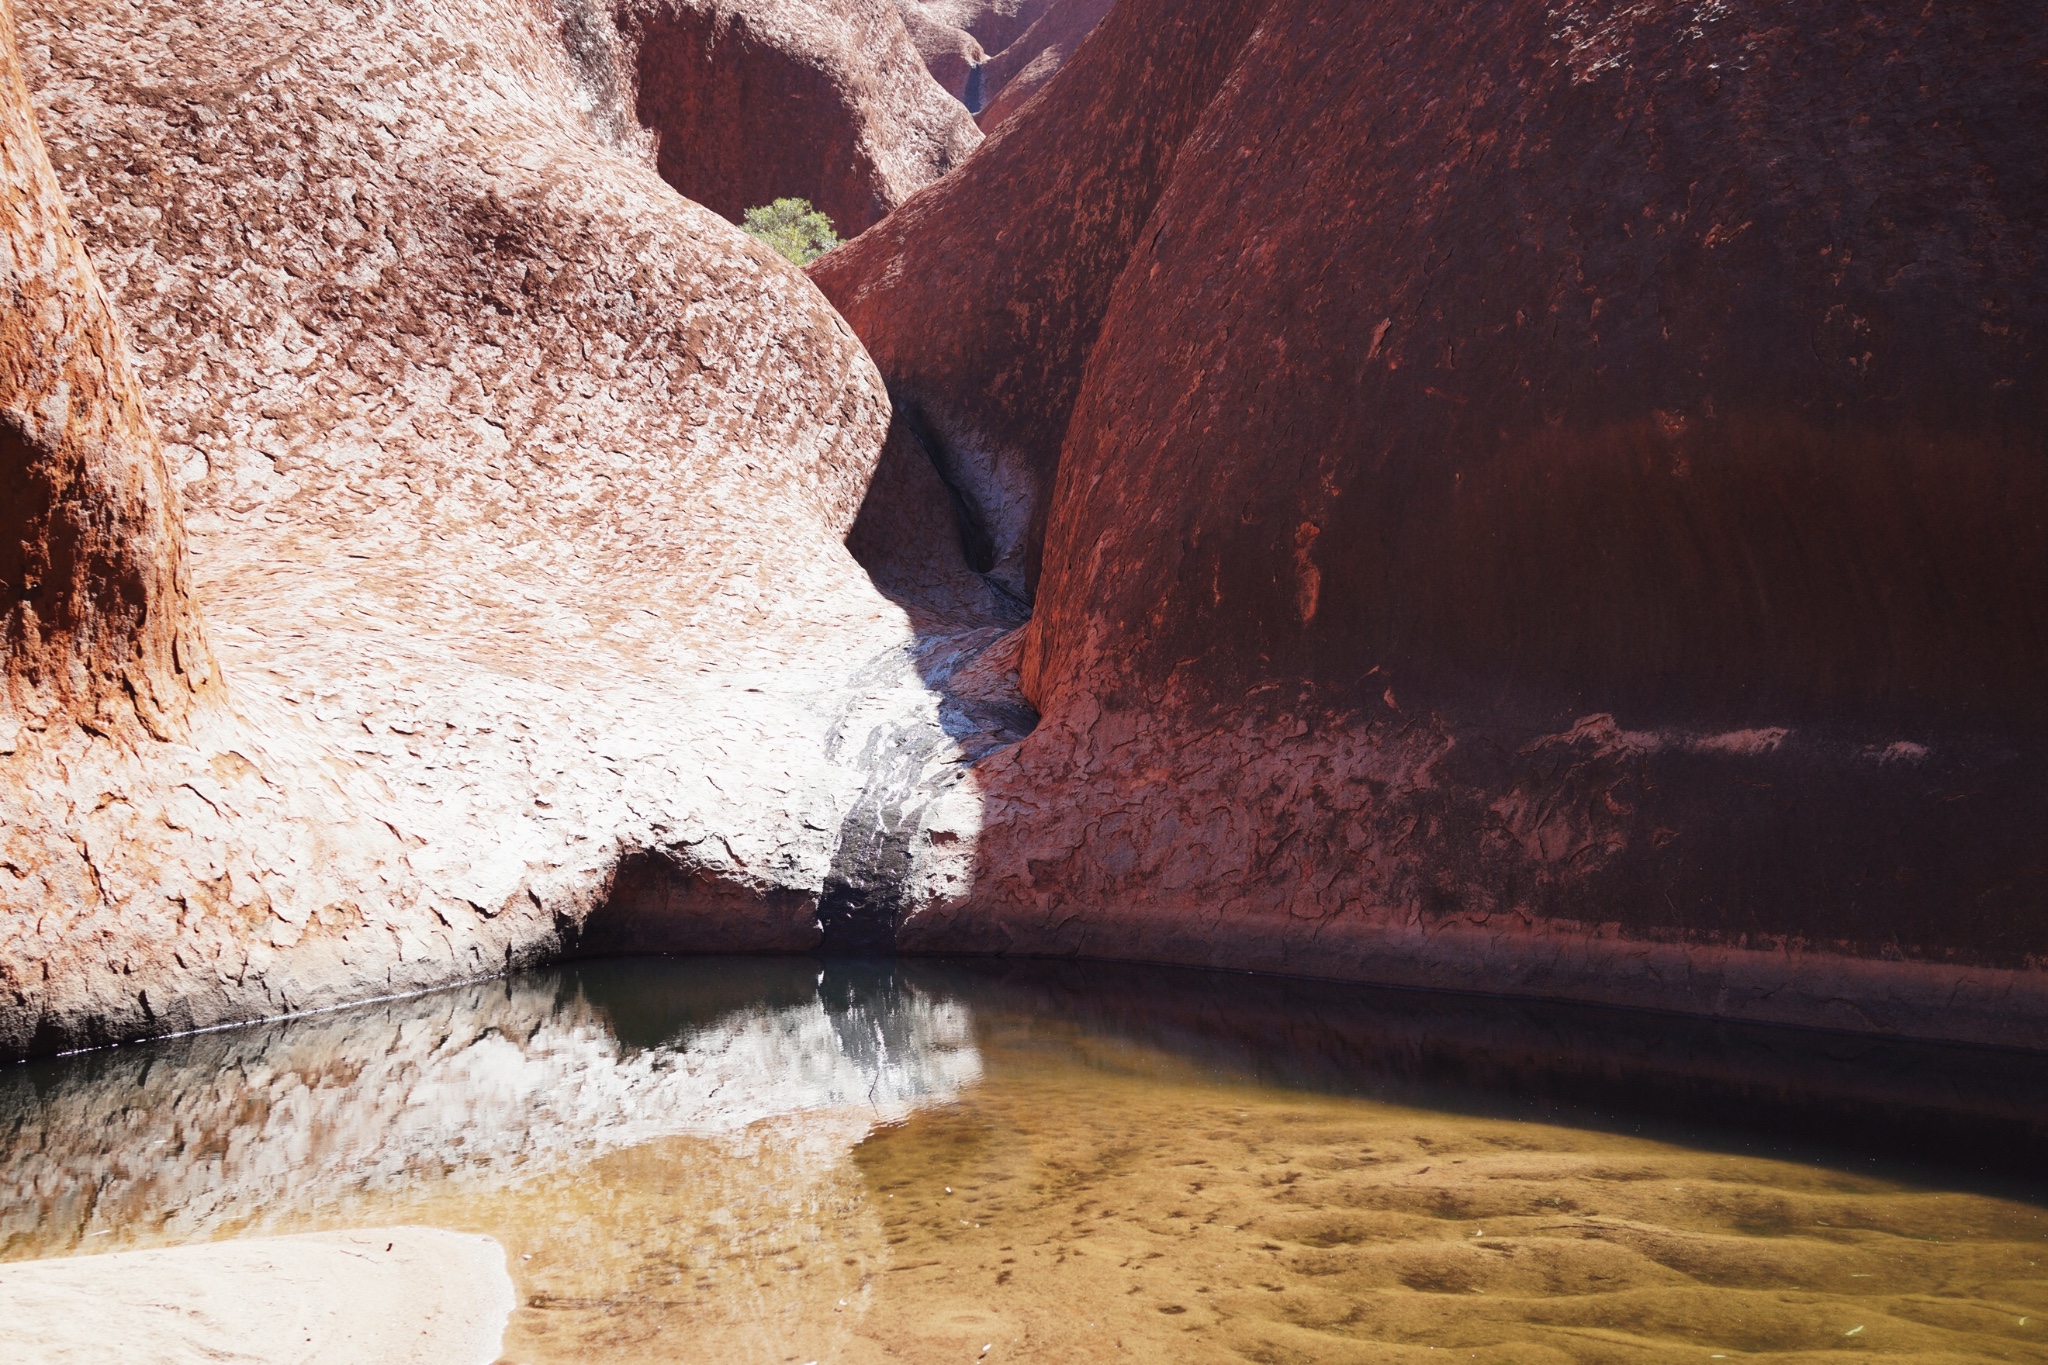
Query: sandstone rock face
point(1514, 498)
point(1015, 74)
point(514, 487)
point(95, 618)
point(1541, 499)
point(974, 47)
point(827, 100)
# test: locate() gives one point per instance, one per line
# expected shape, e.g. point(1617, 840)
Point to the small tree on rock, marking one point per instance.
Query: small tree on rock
point(793, 228)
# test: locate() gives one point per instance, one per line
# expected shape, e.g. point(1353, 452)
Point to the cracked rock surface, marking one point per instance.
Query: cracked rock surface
point(515, 488)
point(1513, 497)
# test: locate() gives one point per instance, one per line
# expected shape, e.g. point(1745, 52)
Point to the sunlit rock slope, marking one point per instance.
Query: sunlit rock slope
point(993, 54)
point(1516, 497)
point(513, 490)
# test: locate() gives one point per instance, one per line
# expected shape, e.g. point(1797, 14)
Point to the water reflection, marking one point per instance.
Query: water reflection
point(241, 1129)
point(1970, 1112)
point(773, 1160)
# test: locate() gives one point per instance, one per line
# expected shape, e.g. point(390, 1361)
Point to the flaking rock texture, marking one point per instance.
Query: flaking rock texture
point(1533, 497)
point(514, 486)
point(751, 101)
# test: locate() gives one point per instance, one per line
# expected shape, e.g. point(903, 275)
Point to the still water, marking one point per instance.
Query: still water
point(733, 1160)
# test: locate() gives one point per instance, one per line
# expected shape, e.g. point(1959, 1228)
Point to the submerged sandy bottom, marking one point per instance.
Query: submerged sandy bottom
point(916, 1173)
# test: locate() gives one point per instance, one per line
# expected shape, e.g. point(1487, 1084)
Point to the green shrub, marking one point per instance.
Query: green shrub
point(794, 228)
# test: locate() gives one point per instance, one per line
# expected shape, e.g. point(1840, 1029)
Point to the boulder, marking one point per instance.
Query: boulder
point(750, 101)
point(513, 489)
point(1522, 499)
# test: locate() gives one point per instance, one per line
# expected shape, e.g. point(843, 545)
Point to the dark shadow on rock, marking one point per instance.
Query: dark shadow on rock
point(923, 534)
point(662, 902)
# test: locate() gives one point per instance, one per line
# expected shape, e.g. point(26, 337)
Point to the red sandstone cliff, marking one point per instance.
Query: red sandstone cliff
point(827, 100)
point(1529, 498)
point(981, 304)
point(977, 48)
point(1516, 498)
point(995, 24)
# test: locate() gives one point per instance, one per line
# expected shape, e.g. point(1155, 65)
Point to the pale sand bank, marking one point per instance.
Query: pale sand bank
point(385, 1295)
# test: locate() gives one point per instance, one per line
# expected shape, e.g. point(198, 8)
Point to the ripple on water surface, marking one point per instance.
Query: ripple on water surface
point(777, 1161)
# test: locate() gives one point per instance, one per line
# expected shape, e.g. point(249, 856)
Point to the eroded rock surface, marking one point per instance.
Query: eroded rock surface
point(514, 487)
point(953, 55)
point(1528, 498)
point(982, 315)
point(978, 48)
point(1513, 498)
point(995, 24)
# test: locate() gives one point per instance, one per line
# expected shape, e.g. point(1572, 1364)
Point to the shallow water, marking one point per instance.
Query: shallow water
point(788, 1161)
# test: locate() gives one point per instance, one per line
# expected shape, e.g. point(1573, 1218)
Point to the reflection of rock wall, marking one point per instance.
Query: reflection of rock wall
point(1927, 1101)
point(490, 1083)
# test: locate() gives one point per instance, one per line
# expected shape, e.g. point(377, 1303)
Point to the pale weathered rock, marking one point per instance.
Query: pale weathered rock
point(750, 101)
point(515, 486)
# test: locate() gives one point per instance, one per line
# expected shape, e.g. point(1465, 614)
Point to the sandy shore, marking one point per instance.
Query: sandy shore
point(388, 1295)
